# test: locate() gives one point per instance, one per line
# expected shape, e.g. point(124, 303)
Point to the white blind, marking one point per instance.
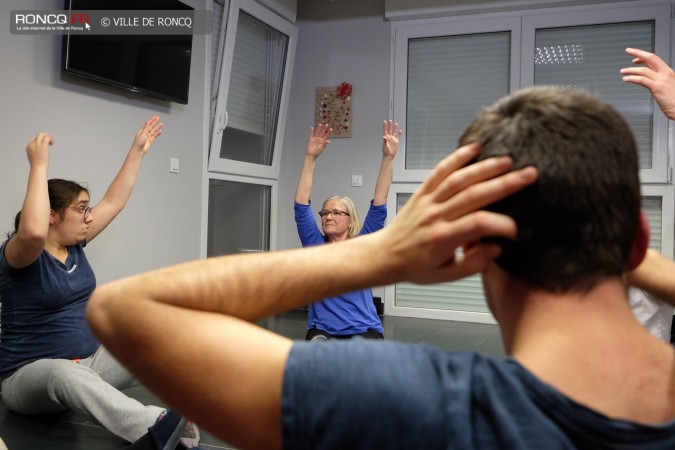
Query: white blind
point(589, 58)
point(467, 294)
point(256, 77)
point(653, 207)
point(450, 78)
point(461, 295)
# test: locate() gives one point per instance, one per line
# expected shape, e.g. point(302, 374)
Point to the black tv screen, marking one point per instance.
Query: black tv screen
point(154, 65)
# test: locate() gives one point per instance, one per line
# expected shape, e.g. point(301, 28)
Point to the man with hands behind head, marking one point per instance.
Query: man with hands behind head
point(549, 219)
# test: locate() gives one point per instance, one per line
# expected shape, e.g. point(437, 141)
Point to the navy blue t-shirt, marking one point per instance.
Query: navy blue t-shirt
point(43, 307)
point(362, 394)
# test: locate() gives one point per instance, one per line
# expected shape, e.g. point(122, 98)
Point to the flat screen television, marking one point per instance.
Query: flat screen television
point(154, 65)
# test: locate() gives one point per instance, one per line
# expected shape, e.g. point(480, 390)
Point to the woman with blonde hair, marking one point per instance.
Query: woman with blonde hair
point(354, 313)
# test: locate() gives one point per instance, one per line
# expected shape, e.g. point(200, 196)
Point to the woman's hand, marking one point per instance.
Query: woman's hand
point(147, 134)
point(658, 77)
point(318, 139)
point(37, 149)
point(390, 137)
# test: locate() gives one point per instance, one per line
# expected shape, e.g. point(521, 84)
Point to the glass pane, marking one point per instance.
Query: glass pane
point(239, 218)
point(461, 295)
point(450, 78)
point(254, 93)
point(653, 207)
point(589, 58)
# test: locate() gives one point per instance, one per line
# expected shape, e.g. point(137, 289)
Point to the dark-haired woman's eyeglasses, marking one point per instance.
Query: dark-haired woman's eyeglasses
point(85, 211)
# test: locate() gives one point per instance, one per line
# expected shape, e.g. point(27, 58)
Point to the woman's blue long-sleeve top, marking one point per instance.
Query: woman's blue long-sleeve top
point(350, 313)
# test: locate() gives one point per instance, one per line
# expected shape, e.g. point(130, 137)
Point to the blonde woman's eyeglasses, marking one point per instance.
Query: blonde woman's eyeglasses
point(334, 212)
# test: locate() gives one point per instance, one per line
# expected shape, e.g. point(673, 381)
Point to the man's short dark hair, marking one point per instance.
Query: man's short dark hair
point(576, 225)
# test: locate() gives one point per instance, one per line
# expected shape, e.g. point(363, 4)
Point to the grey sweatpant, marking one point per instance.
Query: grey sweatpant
point(89, 387)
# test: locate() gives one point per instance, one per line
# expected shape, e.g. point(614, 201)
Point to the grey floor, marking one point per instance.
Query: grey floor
point(70, 431)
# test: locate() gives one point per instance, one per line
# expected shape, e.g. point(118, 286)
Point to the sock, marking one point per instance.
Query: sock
point(163, 435)
point(190, 435)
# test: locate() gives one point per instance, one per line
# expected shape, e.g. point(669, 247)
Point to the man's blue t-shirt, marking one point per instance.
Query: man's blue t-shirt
point(352, 312)
point(362, 394)
point(43, 308)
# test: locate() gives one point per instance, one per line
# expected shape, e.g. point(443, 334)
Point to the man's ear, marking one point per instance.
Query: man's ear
point(52, 217)
point(640, 242)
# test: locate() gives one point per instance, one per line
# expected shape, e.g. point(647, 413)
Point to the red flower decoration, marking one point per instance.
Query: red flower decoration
point(344, 90)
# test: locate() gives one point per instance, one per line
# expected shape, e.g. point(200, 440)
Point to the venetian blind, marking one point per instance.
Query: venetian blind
point(589, 58)
point(467, 294)
point(450, 78)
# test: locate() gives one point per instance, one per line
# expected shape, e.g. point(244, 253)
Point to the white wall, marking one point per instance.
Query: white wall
point(285, 8)
point(93, 126)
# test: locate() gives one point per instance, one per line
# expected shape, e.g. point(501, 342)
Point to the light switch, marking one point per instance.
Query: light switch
point(174, 165)
point(357, 180)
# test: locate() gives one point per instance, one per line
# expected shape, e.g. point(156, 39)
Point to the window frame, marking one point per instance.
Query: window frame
point(666, 192)
point(523, 25)
point(216, 164)
point(244, 179)
point(655, 182)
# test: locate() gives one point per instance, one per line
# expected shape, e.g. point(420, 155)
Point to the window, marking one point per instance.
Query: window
point(446, 70)
point(259, 48)
point(461, 300)
point(464, 300)
point(586, 51)
point(238, 217)
point(436, 97)
point(438, 110)
point(253, 52)
point(465, 295)
point(586, 58)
